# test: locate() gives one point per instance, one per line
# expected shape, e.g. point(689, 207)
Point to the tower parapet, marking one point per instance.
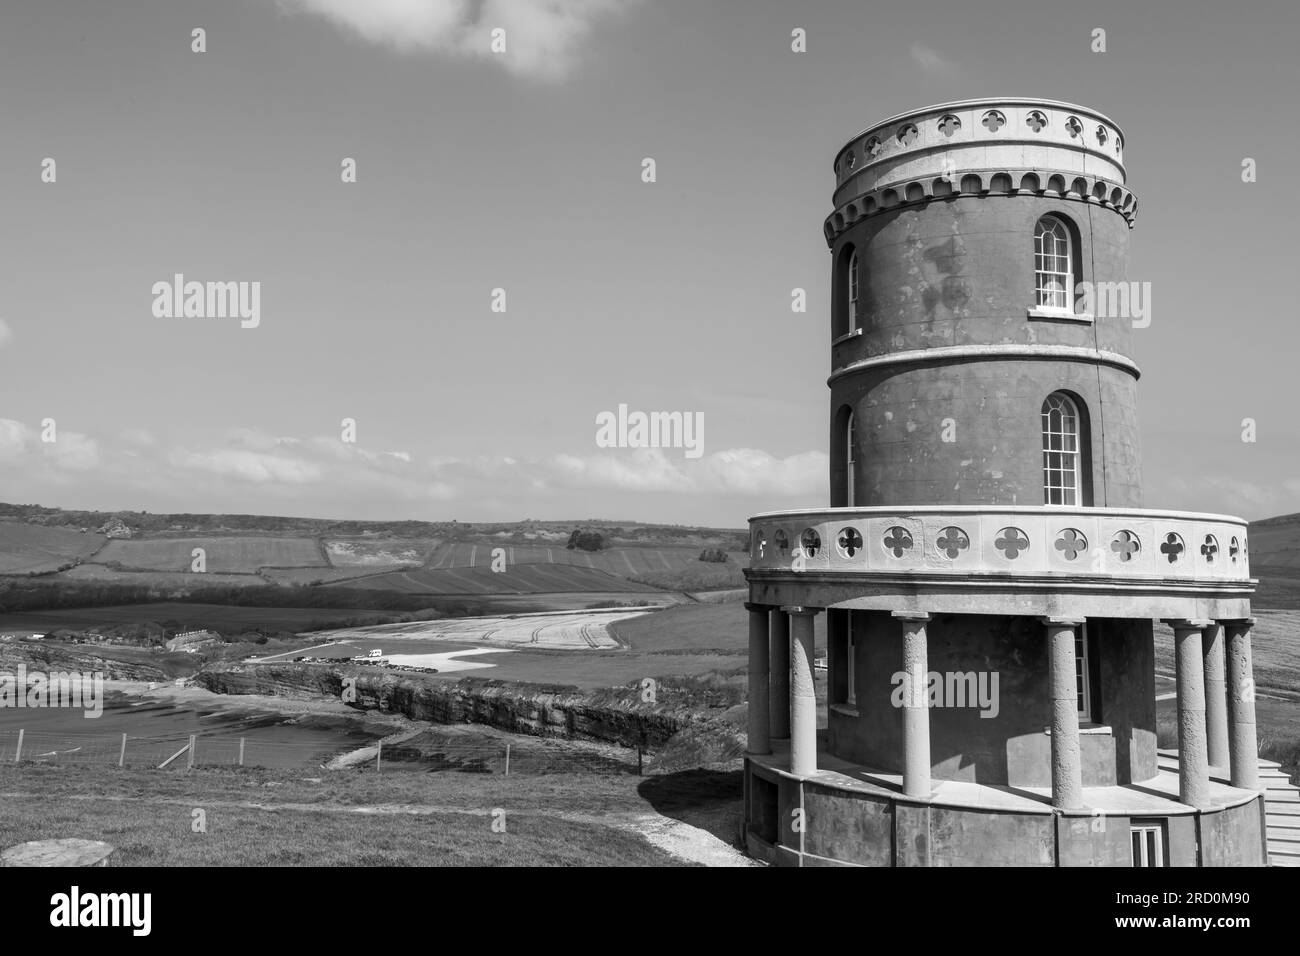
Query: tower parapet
point(1005, 145)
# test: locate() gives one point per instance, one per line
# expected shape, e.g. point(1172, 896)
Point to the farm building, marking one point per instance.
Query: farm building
point(989, 572)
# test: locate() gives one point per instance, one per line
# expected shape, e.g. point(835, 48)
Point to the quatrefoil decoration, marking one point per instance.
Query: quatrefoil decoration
point(1210, 548)
point(1036, 121)
point(1071, 543)
point(760, 545)
point(811, 542)
point(1073, 127)
point(851, 160)
point(781, 541)
point(898, 540)
point(993, 121)
point(907, 134)
point(849, 541)
point(1011, 541)
point(1234, 548)
point(952, 541)
point(1119, 144)
point(1172, 547)
point(949, 125)
point(1125, 544)
point(1101, 135)
point(873, 147)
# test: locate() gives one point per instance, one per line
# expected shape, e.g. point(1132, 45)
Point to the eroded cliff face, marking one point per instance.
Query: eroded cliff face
point(518, 708)
point(51, 657)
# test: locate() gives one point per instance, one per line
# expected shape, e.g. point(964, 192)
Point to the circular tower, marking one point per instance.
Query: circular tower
point(965, 239)
point(989, 574)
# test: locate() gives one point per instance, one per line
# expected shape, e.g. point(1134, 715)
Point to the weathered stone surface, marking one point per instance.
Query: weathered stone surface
point(64, 852)
point(510, 707)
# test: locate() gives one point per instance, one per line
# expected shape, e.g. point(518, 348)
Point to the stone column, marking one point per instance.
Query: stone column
point(779, 665)
point(803, 693)
point(1216, 701)
point(916, 705)
point(1242, 749)
point(758, 679)
point(1193, 764)
point(1067, 760)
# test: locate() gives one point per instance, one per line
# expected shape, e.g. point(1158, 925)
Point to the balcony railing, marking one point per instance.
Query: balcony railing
point(1016, 541)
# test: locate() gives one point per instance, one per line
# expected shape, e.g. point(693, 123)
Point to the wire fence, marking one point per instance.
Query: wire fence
point(186, 751)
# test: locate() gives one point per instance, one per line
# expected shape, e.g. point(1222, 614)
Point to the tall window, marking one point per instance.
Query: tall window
point(1082, 683)
point(854, 313)
point(1061, 475)
point(850, 463)
point(1053, 276)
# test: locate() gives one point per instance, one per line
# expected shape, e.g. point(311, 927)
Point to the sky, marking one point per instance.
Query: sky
point(522, 170)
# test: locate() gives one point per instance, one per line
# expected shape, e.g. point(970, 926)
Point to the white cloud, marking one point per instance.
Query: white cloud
point(543, 38)
point(317, 468)
point(252, 466)
point(932, 61)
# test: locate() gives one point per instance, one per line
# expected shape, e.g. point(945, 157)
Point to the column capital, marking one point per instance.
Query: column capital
point(1189, 624)
point(918, 617)
point(1062, 621)
point(752, 606)
point(1237, 621)
point(800, 610)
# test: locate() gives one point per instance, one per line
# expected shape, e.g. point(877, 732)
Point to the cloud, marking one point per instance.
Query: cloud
point(251, 466)
point(58, 462)
point(241, 462)
point(932, 61)
point(5, 333)
point(543, 38)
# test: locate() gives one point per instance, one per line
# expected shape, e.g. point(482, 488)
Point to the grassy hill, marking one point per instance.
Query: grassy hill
point(35, 549)
point(1275, 560)
point(151, 556)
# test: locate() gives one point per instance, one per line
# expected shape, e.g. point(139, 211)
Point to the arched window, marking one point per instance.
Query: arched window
point(1062, 454)
point(854, 286)
point(850, 462)
point(1053, 273)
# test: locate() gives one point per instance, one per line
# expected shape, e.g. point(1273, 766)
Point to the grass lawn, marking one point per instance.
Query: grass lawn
point(256, 817)
point(696, 627)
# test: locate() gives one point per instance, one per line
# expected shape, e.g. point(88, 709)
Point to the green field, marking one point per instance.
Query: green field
point(237, 555)
point(520, 579)
point(220, 617)
point(344, 818)
point(33, 548)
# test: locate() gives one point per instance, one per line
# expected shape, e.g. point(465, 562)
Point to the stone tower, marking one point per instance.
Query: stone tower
point(989, 575)
point(940, 332)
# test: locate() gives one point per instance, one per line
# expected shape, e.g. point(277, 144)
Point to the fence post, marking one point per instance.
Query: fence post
point(121, 757)
point(241, 751)
point(379, 758)
point(507, 760)
point(18, 754)
point(193, 744)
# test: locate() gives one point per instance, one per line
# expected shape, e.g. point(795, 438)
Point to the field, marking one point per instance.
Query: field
point(1276, 542)
point(467, 568)
point(347, 818)
point(27, 548)
point(481, 579)
point(238, 555)
point(221, 617)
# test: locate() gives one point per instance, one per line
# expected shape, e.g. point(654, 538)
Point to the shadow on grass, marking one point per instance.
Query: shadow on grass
point(700, 797)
